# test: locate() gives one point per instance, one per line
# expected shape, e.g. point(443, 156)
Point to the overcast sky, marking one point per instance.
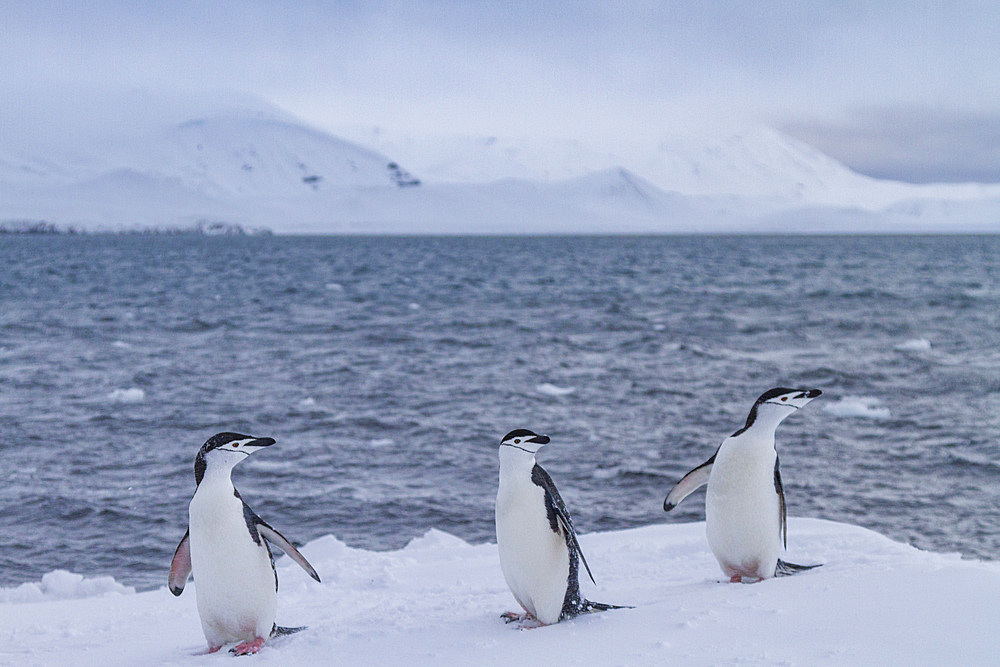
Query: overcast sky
point(904, 90)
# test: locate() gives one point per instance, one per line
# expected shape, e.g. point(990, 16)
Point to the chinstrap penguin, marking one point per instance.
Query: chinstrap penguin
point(539, 551)
point(226, 547)
point(745, 515)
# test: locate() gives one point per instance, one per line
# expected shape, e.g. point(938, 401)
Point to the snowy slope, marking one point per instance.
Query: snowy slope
point(211, 167)
point(613, 200)
point(438, 601)
point(758, 163)
point(263, 157)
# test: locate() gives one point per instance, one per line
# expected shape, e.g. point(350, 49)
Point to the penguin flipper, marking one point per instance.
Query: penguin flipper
point(689, 483)
point(180, 565)
point(558, 513)
point(278, 540)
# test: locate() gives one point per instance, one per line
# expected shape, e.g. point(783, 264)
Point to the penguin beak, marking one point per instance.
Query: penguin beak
point(260, 442)
point(540, 439)
point(809, 393)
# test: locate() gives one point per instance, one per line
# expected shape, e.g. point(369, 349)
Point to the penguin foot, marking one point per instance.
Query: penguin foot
point(735, 579)
point(524, 621)
point(247, 648)
point(210, 649)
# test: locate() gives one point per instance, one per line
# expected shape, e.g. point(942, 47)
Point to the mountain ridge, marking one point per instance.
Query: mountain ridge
point(265, 169)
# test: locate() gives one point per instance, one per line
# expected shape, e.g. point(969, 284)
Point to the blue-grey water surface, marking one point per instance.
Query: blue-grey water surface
point(388, 368)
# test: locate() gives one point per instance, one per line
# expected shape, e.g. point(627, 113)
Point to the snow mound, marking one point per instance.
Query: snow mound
point(63, 585)
point(435, 539)
point(554, 390)
point(914, 345)
point(858, 406)
point(132, 395)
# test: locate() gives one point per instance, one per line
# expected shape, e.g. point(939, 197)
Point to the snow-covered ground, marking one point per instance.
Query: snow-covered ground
point(439, 600)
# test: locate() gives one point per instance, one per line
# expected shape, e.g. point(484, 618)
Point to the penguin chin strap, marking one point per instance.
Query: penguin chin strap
point(521, 448)
point(784, 405)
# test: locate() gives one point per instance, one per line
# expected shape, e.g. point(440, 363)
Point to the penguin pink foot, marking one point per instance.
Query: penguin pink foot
point(248, 648)
point(209, 650)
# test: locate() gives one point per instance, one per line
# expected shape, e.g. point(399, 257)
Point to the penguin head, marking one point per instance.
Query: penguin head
point(225, 450)
point(524, 440)
point(776, 404)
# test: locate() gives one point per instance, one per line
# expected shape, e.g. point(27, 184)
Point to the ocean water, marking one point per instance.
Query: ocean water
point(388, 369)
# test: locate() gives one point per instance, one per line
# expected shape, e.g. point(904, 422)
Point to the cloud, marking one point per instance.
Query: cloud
point(911, 143)
point(594, 70)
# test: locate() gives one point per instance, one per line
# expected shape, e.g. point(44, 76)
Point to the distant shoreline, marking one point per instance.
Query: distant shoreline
point(200, 228)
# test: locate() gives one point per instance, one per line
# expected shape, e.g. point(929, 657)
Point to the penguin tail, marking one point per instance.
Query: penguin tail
point(281, 631)
point(589, 607)
point(784, 569)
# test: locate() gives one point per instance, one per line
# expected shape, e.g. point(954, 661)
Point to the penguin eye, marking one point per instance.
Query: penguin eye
point(517, 441)
point(784, 398)
point(236, 444)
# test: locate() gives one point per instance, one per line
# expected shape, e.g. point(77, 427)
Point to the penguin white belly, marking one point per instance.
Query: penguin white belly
point(234, 581)
point(742, 513)
point(534, 559)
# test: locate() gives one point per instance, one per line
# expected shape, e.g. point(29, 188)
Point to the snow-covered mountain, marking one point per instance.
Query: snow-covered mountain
point(259, 167)
point(757, 163)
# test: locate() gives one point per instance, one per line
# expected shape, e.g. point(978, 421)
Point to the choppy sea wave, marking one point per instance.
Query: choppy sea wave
point(387, 369)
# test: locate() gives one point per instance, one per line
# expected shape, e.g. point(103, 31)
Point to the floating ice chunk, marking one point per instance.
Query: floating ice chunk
point(914, 345)
point(63, 585)
point(336, 287)
point(857, 406)
point(307, 403)
point(414, 306)
point(381, 442)
point(132, 395)
point(120, 344)
point(553, 390)
point(605, 473)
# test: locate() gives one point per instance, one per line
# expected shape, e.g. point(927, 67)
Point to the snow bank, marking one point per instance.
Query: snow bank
point(63, 585)
point(857, 406)
point(438, 601)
